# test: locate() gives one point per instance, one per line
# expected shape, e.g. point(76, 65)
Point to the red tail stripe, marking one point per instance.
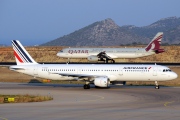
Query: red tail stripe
point(17, 56)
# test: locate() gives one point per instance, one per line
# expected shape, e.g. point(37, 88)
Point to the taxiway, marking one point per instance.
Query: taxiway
point(73, 102)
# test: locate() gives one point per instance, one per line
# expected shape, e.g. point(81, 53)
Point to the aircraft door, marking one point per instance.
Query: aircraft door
point(46, 71)
point(79, 71)
point(69, 53)
point(120, 71)
point(154, 71)
point(35, 71)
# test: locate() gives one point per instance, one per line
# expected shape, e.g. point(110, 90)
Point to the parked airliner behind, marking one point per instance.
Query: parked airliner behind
point(109, 54)
point(100, 75)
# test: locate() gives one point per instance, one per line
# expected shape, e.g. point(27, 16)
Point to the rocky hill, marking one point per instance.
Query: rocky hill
point(102, 33)
point(170, 26)
point(108, 33)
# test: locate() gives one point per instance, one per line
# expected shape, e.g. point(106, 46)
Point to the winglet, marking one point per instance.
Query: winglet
point(21, 55)
point(155, 43)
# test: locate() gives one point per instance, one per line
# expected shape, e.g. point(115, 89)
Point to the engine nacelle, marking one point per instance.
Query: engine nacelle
point(92, 58)
point(118, 82)
point(101, 82)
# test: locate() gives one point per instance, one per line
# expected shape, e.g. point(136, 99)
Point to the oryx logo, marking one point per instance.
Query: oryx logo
point(152, 46)
point(155, 43)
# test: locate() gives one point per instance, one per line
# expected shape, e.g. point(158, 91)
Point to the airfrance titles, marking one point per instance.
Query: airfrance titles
point(144, 68)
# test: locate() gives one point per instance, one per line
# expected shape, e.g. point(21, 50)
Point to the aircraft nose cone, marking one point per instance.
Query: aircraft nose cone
point(174, 75)
point(58, 54)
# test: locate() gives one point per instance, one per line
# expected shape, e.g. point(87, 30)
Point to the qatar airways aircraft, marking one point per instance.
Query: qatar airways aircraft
point(101, 75)
point(109, 54)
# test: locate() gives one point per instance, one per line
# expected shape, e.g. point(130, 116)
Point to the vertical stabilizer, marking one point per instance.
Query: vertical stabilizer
point(21, 55)
point(154, 45)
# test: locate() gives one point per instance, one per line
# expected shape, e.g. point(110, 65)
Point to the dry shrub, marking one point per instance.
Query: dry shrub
point(48, 54)
point(1, 100)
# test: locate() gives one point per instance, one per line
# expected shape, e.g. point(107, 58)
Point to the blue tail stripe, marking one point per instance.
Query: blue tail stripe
point(22, 51)
point(19, 52)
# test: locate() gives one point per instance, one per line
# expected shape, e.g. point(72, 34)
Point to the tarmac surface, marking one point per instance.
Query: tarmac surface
point(72, 102)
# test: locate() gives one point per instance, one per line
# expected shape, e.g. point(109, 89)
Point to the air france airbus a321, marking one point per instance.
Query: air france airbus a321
point(109, 54)
point(101, 75)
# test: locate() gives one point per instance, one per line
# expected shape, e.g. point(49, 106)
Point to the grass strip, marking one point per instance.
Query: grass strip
point(23, 98)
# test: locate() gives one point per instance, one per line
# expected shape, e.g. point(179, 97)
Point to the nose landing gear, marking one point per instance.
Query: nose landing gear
point(157, 86)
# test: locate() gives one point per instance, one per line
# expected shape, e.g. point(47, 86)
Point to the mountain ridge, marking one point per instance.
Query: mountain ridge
point(108, 33)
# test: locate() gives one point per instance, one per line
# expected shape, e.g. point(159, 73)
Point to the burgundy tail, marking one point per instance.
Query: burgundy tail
point(154, 45)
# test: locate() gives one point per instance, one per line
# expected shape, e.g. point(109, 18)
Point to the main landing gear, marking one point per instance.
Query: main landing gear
point(86, 86)
point(104, 57)
point(68, 60)
point(157, 86)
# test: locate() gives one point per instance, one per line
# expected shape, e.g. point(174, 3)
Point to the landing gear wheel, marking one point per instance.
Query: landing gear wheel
point(112, 61)
point(106, 62)
point(157, 87)
point(86, 86)
point(68, 61)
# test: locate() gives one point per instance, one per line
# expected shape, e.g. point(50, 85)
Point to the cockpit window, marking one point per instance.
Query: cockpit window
point(61, 51)
point(166, 70)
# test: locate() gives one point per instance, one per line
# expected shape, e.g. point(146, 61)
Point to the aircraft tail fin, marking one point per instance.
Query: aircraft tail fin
point(21, 55)
point(154, 45)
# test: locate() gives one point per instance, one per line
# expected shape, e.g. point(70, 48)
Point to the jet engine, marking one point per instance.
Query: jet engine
point(92, 58)
point(101, 82)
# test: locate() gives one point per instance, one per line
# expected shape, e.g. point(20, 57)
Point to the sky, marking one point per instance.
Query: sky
point(34, 22)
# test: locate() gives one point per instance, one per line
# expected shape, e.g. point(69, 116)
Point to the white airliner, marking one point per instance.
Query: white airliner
point(109, 54)
point(101, 75)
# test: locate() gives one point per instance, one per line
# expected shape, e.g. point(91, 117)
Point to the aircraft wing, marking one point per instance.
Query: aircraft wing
point(105, 55)
point(78, 75)
point(112, 56)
